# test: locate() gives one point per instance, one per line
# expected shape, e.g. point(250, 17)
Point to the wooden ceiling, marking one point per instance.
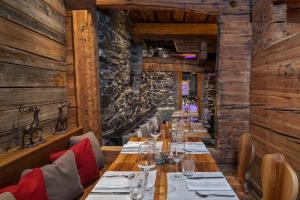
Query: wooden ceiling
point(170, 16)
point(184, 30)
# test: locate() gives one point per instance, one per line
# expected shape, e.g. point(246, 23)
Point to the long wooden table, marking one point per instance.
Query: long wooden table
point(128, 162)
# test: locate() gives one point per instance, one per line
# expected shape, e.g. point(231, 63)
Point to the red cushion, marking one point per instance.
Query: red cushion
point(30, 186)
point(85, 161)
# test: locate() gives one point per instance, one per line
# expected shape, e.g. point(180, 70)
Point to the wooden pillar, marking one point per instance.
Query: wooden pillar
point(200, 94)
point(233, 69)
point(86, 71)
point(179, 80)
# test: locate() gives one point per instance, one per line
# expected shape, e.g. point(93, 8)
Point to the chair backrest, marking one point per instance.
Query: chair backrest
point(279, 180)
point(246, 158)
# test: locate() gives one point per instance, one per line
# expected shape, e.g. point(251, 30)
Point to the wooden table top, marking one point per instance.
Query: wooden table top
point(128, 162)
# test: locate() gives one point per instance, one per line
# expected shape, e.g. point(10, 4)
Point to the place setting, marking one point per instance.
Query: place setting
point(197, 185)
point(131, 185)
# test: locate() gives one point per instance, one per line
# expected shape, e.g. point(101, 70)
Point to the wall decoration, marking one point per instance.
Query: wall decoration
point(33, 133)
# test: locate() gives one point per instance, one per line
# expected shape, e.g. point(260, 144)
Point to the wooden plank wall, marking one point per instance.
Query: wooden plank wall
point(233, 77)
point(275, 83)
point(32, 64)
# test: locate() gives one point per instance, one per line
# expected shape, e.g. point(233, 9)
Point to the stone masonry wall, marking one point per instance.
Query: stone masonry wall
point(128, 95)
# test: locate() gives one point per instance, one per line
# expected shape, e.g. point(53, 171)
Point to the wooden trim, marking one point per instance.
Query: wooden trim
point(14, 162)
point(200, 94)
point(173, 29)
point(179, 78)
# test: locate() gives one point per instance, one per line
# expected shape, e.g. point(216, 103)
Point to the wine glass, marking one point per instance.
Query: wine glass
point(177, 156)
point(146, 159)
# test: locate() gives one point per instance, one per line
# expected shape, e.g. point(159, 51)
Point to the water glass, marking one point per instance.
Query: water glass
point(188, 167)
point(137, 186)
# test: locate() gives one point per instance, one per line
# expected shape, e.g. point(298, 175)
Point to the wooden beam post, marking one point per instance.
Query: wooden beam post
point(86, 71)
point(200, 94)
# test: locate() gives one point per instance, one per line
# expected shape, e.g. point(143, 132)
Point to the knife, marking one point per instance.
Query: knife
point(201, 177)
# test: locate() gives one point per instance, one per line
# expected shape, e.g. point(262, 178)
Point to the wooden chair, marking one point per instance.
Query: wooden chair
point(246, 156)
point(279, 180)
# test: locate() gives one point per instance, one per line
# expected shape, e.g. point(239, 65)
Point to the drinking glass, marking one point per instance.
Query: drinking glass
point(178, 156)
point(136, 186)
point(188, 167)
point(146, 159)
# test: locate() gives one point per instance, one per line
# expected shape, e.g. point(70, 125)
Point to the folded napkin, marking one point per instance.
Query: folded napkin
point(177, 190)
point(133, 147)
point(195, 146)
point(115, 181)
point(207, 183)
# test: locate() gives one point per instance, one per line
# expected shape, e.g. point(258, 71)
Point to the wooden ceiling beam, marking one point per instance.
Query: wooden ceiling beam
point(213, 7)
point(173, 29)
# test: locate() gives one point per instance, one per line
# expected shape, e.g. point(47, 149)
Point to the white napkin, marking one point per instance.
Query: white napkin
point(133, 147)
point(195, 146)
point(208, 183)
point(177, 190)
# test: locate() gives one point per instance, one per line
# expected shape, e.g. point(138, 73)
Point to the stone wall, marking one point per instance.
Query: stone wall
point(128, 95)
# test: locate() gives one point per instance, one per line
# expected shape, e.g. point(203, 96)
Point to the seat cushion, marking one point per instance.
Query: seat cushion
point(85, 161)
point(7, 196)
point(30, 186)
point(95, 146)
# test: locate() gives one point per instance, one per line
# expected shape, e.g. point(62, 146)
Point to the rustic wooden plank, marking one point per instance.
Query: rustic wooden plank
point(173, 29)
point(163, 16)
point(11, 98)
point(40, 11)
point(20, 18)
point(19, 57)
point(178, 16)
point(205, 6)
point(22, 76)
point(277, 120)
point(57, 5)
point(30, 41)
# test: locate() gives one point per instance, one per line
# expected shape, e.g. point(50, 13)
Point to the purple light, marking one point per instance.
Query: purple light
point(190, 57)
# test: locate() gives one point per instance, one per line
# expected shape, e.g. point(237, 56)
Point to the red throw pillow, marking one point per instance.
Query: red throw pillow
point(85, 161)
point(30, 186)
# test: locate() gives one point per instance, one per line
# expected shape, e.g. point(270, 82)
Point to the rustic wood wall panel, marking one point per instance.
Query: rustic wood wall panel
point(72, 99)
point(32, 65)
point(86, 71)
point(275, 81)
point(233, 71)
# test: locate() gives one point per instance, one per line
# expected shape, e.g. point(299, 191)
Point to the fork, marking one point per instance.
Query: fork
point(213, 195)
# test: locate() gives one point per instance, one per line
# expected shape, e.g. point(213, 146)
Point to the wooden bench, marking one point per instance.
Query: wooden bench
point(14, 162)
